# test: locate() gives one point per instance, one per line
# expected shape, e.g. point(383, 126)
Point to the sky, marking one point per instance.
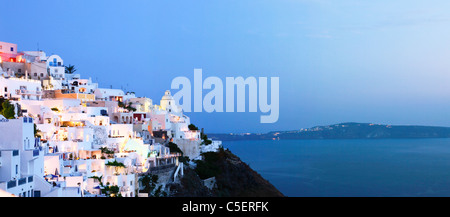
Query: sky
point(337, 61)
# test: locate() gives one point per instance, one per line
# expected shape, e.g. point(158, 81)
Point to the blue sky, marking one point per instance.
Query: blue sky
point(338, 61)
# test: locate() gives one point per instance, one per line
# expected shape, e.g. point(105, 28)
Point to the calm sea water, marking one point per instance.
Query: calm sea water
point(349, 168)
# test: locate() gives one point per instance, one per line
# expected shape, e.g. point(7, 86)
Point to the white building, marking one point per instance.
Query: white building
point(109, 94)
point(55, 66)
point(83, 133)
point(20, 88)
point(22, 157)
point(142, 104)
point(168, 103)
point(78, 85)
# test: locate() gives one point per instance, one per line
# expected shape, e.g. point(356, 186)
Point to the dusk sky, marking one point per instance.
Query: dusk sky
point(338, 61)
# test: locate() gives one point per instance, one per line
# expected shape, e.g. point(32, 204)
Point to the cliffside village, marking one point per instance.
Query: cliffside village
point(67, 137)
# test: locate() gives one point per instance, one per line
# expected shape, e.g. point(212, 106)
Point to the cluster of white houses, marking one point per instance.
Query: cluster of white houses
point(70, 138)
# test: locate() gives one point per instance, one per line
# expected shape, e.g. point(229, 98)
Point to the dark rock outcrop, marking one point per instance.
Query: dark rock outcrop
point(237, 179)
point(190, 185)
point(234, 178)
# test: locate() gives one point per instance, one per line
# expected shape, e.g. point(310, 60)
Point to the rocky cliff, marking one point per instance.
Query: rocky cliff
point(233, 178)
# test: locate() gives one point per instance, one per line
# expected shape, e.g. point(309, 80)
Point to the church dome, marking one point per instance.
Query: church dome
point(167, 96)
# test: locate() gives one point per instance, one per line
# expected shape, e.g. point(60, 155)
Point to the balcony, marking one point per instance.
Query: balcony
point(175, 121)
point(28, 92)
point(22, 181)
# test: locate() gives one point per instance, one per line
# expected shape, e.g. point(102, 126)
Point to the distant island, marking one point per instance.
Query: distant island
point(349, 130)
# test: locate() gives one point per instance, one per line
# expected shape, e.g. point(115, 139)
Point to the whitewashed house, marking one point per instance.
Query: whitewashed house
point(20, 88)
point(109, 94)
point(22, 157)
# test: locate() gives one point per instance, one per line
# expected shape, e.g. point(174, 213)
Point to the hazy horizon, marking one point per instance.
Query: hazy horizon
point(331, 124)
point(348, 61)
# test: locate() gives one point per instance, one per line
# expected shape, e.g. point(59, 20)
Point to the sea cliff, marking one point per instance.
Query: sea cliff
point(229, 176)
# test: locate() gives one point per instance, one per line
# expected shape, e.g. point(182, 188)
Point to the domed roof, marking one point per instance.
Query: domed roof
point(167, 96)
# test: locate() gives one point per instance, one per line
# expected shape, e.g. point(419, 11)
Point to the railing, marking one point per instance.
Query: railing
point(179, 169)
point(28, 92)
point(177, 121)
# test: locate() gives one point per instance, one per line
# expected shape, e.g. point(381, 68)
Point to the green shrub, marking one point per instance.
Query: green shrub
point(184, 159)
point(149, 182)
point(207, 142)
point(115, 163)
point(8, 109)
point(192, 127)
point(208, 167)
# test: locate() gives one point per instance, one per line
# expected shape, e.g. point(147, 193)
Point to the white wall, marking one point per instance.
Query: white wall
point(28, 89)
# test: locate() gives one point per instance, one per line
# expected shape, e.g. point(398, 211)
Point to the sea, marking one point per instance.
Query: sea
point(351, 168)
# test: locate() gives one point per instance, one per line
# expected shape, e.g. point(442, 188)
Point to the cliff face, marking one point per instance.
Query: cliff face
point(234, 178)
point(190, 185)
point(237, 179)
